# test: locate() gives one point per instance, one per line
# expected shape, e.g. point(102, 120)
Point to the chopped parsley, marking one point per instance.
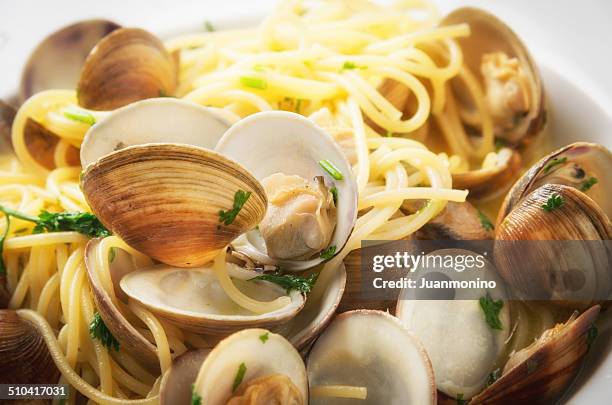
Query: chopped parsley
point(254, 82)
point(587, 184)
point(330, 168)
point(554, 163)
point(264, 338)
point(491, 309)
point(349, 65)
point(460, 400)
point(98, 330)
point(82, 222)
point(239, 376)
point(494, 376)
point(196, 399)
point(591, 335)
point(329, 252)
point(485, 222)
point(79, 115)
point(290, 282)
point(208, 26)
point(240, 198)
point(554, 201)
point(334, 193)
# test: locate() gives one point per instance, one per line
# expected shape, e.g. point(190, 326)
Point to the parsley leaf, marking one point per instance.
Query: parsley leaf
point(329, 252)
point(334, 193)
point(83, 222)
point(290, 281)
point(98, 330)
point(349, 65)
point(240, 198)
point(264, 338)
point(554, 201)
point(485, 222)
point(554, 163)
point(239, 376)
point(494, 376)
point(196, 399)
point(491, 309)
point(587, 184)
point(460, 400)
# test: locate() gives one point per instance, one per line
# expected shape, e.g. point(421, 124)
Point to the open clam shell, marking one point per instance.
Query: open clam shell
point(549, 268)
point(57, 61)
point(176, 384)
point(164, 200)
point(572, 165)
point(259, 353)
point(127, 335)
point(490, 35)
point(542, 372)
point(24, 356)
point(128, 65)
point(194, 300)
point(372, 349)
point(158, 120)
point(282, 142)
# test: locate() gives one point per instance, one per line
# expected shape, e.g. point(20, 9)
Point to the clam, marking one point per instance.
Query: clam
point(176, 384)
point(194, 299)
point(371, 350)
point(311, 210)
point(458, 221)
point(57, 61)
point(164, 200)
point(493, 180)
point(253, 366)
point(511, 80)
point(584, 166)
point(128, 65)
point(463, 346)
point(128, 336)
point(156, 120)
point(543, 371)
point(554, 245)
point(24, 354)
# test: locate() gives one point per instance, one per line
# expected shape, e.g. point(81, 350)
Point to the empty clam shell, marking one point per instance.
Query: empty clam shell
point(164, 200)
point(156, 120)
point(281, 142)
point(24, 356)
point(259, 353)
point(372, 349)
point(488, 36)
point(57, 61)
point(542, 372)
point(194, 299)
point(128, 65)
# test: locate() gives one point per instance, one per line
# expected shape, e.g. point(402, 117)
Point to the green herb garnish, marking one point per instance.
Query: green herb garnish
point(587, 184)
point(264, 338)
point(240, 198)
point(196, 399)
point(494, 376)
point(491, 309)
point(98, 330)
point(554, 163)
point(239, 376)
point(485, 222)
point(554, 201)
point(349, 65)
point(591, 335)
point(208, 26)
point(79, 115)
point(334, 193)
point(329, 252)
point(331, 169)
point(254, 82)
point(290, 282)
point(460, 400)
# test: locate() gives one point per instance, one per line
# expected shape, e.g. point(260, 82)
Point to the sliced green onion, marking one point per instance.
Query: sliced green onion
point(79, 115)
point(331, 169)
point(254, 82)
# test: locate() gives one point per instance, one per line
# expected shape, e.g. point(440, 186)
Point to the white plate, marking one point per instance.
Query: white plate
point(566, 39)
